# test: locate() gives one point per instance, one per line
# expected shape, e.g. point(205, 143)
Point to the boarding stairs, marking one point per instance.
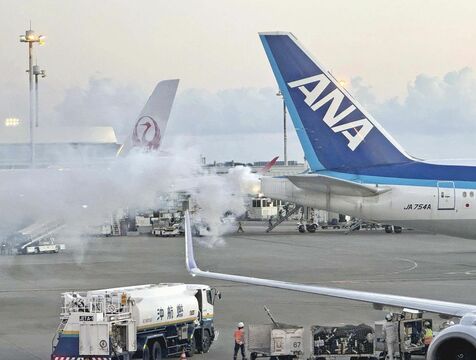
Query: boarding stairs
point(115, 228)
point(40, 232)
point(291, 209)
point(354, 226)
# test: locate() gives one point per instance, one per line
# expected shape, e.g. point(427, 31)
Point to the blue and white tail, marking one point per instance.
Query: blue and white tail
point(149, 128)
point(336, 133)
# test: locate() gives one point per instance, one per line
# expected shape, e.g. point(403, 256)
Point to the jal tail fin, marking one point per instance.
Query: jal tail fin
point(336, 133)
point(268, 166)
point(149, 128)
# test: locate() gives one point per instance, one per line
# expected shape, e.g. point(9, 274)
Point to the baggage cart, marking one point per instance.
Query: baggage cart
point(276, 341)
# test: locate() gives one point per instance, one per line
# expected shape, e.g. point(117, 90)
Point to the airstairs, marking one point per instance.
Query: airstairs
point(291, 209)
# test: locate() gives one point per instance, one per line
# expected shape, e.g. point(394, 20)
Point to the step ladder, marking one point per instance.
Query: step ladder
point(290, 211)
point(115, 228)
point(354, 226)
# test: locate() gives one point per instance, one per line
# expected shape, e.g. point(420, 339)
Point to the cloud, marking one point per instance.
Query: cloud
point(103, 102)
point(226, 120)
point(245, 124)
point(231, 111)
point(436, 118)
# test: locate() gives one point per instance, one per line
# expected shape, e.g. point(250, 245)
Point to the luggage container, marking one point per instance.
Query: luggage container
point(354, 342)
point(349, 342)
point(276, 341)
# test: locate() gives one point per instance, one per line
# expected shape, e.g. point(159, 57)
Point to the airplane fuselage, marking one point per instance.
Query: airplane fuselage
point(444, 210)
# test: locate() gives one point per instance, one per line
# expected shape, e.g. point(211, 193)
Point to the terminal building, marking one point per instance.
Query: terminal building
point(57, 145)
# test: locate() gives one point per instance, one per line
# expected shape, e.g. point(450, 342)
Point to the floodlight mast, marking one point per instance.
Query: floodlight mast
point(31, 37)
point(285, 135)
point(37, 72)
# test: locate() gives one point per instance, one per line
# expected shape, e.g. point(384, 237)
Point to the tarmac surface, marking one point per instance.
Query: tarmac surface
point(411, 263)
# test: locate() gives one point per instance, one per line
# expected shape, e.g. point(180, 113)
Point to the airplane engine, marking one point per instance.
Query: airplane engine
point(455, 342)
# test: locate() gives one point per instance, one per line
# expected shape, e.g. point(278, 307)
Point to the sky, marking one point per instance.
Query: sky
point(411, 63)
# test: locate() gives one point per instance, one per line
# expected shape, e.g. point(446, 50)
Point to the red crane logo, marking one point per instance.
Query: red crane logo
point(146, 133)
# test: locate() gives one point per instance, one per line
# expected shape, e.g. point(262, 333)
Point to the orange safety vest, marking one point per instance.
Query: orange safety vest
point(239, 336)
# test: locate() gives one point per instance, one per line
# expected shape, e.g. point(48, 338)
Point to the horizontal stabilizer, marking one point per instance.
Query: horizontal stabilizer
point(377, 299)
point(323, 183)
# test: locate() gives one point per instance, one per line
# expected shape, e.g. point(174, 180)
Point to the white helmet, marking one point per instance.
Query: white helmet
point(389, 317)
point(241, 325)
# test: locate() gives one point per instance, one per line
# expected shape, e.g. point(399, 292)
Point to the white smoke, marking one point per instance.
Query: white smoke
point(219, 195)
point(85, 197)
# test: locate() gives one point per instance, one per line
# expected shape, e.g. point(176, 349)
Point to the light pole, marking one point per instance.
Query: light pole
point(37, 72)
point(31, 37)
point(284, 129)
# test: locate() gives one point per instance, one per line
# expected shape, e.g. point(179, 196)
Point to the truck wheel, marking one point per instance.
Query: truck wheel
point(156, 351)
point(311, 228)
point(397, 229)
point(301, 229)
point(253, 356)
point(206, 341)
point(388, 229)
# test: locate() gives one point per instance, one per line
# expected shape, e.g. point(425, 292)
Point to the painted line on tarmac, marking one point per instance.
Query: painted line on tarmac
point(413, 266)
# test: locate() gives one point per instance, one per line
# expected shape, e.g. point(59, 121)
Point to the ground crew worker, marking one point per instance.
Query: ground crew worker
point(239, 336)
point(240, 228)
point(390, 332)
point(427, 335)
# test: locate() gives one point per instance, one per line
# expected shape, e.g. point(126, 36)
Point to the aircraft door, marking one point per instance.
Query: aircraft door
point(446, 195)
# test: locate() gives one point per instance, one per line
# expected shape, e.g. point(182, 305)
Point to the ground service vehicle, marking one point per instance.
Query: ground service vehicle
point(42, 247)
point(410, 333)
point(38, 238)
point(276, 341)
point(147, 321)
point(165, 228)
point(362, 342)
point(342, 342)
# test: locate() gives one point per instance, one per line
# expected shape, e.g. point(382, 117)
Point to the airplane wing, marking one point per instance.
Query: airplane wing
point(379, 301)
point(323, 183)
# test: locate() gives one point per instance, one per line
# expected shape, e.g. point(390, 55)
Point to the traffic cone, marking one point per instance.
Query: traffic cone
point(183, 356)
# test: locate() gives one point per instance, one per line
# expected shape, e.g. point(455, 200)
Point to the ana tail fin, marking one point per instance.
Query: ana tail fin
point(335, 131)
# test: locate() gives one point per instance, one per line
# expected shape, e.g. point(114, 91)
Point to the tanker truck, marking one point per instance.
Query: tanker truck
point(149, 322)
